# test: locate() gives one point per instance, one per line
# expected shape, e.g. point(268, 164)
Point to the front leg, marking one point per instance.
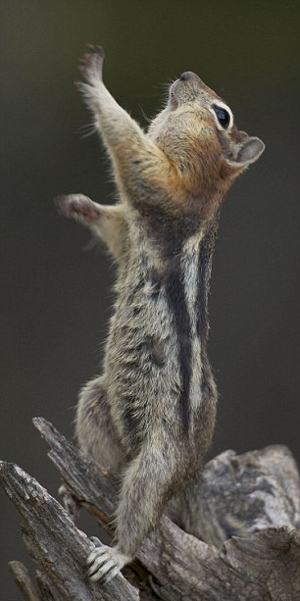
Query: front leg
point(140, 166)
point(107, 222)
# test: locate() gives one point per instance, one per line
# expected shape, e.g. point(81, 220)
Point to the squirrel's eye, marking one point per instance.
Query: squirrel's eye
point(223, 116)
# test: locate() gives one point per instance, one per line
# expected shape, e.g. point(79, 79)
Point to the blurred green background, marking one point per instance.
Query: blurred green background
point(56, 298)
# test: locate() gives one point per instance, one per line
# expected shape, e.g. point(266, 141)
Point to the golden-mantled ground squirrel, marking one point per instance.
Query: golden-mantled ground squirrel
point(150, 416)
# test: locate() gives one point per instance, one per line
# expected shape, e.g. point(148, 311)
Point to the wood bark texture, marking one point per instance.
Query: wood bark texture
point(256, 494)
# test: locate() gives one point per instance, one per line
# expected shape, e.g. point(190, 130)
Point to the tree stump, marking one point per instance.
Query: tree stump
point(256, 494)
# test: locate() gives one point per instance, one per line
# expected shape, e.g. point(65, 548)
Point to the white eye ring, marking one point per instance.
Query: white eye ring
point(225, 115)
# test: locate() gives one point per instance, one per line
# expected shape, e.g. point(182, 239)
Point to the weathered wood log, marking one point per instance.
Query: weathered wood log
point(257, 493)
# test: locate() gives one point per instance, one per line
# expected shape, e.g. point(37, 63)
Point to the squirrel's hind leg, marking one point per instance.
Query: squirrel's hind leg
point(95, 430)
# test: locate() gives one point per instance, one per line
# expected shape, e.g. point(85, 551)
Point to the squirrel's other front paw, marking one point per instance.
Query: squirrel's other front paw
point(78, 206)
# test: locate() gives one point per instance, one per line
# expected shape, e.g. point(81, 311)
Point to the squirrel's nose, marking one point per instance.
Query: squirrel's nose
point(188, 75)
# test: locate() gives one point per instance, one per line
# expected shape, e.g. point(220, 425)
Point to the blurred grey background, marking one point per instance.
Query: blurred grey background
point(56, 297)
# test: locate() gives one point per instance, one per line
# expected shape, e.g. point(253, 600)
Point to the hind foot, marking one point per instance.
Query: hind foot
point(105, 562)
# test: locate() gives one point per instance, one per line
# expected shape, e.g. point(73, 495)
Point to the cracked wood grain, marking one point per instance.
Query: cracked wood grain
point(262, 487)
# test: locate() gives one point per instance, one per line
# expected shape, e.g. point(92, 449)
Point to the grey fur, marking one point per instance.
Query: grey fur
point(150, 416)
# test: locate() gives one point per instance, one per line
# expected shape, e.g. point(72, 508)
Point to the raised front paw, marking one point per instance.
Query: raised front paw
point(91, 64)
point(105, 562)
point(78, 205)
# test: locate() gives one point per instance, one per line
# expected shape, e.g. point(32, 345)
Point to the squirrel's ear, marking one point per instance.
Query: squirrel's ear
point(248, 152)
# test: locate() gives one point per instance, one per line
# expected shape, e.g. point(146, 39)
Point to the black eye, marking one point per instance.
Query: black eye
point(223, 116)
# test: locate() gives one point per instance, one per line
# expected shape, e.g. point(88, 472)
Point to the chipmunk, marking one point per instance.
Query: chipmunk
point(150, 416)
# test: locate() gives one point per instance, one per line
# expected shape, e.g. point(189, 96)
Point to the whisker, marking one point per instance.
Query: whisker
point(147, 119)
point(86, 130)
point(158, 85)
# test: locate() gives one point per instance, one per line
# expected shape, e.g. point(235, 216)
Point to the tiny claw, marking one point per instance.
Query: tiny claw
point(100, 51)
point(103, 570)
point(110, 575)
point(95, 540)
point(97, 552)
point(96, 50)
point(92, 556)
point(96, 566)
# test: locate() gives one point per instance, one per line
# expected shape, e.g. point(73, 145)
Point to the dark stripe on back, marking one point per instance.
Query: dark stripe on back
point(174, 286)
point(170, 232)
point(204, 272)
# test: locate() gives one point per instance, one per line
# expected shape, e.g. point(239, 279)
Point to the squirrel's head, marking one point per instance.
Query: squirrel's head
point(196, 131)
